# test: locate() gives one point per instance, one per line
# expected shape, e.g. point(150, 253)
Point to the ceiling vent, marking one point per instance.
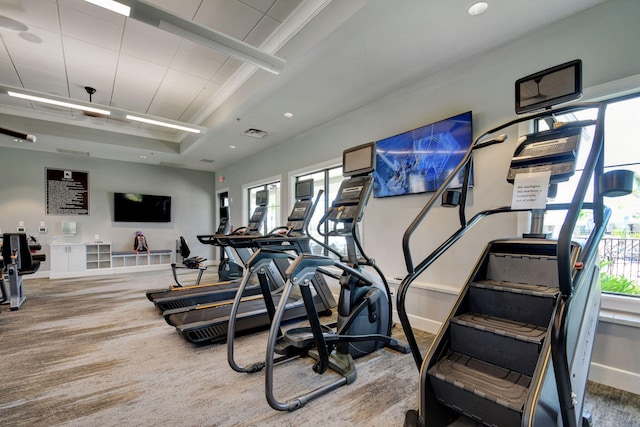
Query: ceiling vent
point(73, 152)
point(207, 160)
point(254, 133)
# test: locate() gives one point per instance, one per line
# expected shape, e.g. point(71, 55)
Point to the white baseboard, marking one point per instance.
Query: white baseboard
point(614, 377)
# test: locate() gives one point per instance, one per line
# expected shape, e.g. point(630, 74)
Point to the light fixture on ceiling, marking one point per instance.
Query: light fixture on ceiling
point(103, 111)
point(288, 115)
point(165, 20)
point(57, 102)
point(113, 6)
point(163, 123)
point(478, 8)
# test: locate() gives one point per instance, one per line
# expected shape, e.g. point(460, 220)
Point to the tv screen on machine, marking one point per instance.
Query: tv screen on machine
point(358, 160)
point(421, 159)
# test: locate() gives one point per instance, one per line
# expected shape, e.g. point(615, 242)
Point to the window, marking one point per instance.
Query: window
point(620, 246)
point(328, 180)
point(273, 205)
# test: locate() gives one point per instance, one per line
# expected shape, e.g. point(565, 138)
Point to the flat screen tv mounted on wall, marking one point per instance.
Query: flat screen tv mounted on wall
point(421, 159)
point(134, 207)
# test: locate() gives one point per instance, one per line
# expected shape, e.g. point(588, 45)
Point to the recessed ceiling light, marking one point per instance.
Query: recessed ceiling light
point(288, 115)
point(478, 8)
point(143, 157)
point(232, 147)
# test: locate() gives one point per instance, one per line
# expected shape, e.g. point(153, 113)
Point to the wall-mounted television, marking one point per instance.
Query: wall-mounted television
point(134, 207)
point(549, 87)
point(421, 159)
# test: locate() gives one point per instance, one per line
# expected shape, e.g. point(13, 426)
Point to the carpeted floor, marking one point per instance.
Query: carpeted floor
point(95, 352)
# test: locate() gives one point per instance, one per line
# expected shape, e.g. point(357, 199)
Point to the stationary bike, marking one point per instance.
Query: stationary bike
point(364, 307)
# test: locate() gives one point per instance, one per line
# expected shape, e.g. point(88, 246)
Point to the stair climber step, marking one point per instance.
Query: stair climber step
point(533, 304)
point(480, 390)
point(523, 268)
point(512, 345)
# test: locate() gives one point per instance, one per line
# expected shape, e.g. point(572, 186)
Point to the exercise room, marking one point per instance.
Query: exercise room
point(293, 212)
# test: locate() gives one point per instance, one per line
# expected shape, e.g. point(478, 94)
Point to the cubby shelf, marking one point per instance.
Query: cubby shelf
point(98, 258)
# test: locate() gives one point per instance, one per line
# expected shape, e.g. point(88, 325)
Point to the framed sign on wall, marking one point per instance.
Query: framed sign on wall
point(67, 192)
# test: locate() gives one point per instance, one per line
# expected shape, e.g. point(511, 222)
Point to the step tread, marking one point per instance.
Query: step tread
point(508, 328)
point(499, 385)
point(517, 288)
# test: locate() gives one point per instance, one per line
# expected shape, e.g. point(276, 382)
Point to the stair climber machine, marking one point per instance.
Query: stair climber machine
point(364, 307)
point(208, 323)
point(182, 298)
point(516, 347)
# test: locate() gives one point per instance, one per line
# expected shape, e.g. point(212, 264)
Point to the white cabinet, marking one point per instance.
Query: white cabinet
point(67, 258)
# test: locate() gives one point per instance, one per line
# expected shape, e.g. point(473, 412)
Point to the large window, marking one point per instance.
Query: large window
point(328, 180)
point(273, 212)
point(620, 246)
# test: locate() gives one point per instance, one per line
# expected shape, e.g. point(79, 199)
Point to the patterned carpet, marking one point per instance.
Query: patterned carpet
point(95, 352)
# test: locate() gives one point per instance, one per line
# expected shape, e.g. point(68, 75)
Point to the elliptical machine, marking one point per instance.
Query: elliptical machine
point(364, 306)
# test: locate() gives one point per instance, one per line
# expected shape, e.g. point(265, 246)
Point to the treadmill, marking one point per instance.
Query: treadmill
point(182, 297)
point(208, 323)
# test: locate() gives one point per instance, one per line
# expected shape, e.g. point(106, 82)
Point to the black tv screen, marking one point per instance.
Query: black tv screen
point(549, 87)
point(304, 189)
point(134, 207)
point(421, 159)
point(262, 198)
point(358, 160)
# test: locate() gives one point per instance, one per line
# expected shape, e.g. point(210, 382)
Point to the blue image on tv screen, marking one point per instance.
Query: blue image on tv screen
point(420, 160)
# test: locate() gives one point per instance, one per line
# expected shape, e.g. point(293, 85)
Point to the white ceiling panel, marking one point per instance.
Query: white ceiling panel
point(282, 8)
point(144, 46)
point(232, 18)
point(39, 13)
point(203, 97)
point(8, 74)
point(262, 6)
point(153, 32)
point(200, 50)
point(90, 29)
point(88, 64)
point(261, 31)
point(176, 93)
point(201, 66)
point(47, 41)
point(43, 81)
point(130, 91)
point(228, 69)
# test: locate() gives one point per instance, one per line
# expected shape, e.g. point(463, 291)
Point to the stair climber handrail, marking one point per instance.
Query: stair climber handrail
point(594, 168)
point(480, 142)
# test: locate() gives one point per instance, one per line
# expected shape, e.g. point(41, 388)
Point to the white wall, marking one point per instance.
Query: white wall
point(604, 37)
point(22, 198)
